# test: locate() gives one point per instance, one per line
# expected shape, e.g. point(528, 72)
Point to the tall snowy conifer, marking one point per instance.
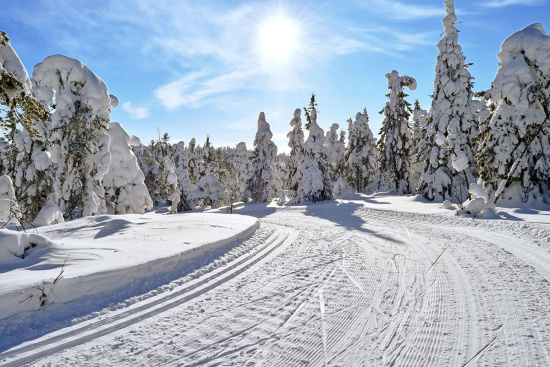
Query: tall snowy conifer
point(394, 145)
point(193, 166)
point(418, 144)
point(260, 186)
point(335, 151)
point(361, 154)
point(77, 132)
point(315, 184)
point(181, 162)
point(296, 144)
point(243, 170)
point(22, 120)
point(514, 153)
point(124, 183)
point(452, 121)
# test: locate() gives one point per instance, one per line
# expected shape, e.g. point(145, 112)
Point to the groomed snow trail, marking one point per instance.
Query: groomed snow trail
point(352, 286)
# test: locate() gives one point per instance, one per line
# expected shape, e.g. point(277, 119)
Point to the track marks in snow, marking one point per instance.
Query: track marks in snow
point(385, 288)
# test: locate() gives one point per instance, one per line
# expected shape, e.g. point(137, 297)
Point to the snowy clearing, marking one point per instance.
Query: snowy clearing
point(348, 283)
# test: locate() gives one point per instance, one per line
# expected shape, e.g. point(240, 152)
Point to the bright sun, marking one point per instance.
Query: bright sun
point(278, 41)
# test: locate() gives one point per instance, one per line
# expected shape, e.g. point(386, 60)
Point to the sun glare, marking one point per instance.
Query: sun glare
point(278, 41)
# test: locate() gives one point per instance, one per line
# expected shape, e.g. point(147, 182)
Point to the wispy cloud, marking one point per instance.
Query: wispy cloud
point(211, 49)
point(402, 11)
point(504, 3)
point(135, 112)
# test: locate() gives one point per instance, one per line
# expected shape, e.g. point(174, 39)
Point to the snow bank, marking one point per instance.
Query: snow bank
point(15, 246)
point(105, 253)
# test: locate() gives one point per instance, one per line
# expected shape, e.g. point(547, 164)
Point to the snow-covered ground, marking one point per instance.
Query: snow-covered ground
point(104, 253)
point(378, 280)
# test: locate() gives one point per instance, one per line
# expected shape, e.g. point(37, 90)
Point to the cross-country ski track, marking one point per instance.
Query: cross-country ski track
point(336, 284)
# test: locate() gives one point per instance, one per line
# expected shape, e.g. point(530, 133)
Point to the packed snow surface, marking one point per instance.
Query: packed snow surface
point(376, 280)
point(104, 253)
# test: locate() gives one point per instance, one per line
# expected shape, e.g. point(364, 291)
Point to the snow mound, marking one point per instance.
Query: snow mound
point(490, 214)
point(48, 215)
point(475, 206)
point(13, 245)
point(112, 227)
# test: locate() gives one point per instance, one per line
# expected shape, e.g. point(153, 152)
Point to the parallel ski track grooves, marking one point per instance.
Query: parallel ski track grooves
point(511, 322)
point(142, 312)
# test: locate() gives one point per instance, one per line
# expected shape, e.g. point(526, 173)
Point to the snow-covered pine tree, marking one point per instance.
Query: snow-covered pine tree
point(418, 144)
point(280, 175)
point(361, 155)
point(193, 166)
point(297, 152)
point(260, 185)
point(33, 178)
point(149, 166)
point(514, 144)
point(207, 159)
point(335, 151)
point(209, 190)
point(243, 168)
point(22, 120)
point(394, 145)
point(167, 180)
point(452, 121)
point(124, 183)
point(315, 184)
point(181, 162)
point(77, 132)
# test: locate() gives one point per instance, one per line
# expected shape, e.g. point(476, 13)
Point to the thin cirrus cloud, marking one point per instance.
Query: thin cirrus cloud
point(504, 3)
point(223, 45)
point(402, 11)
point(135, 112)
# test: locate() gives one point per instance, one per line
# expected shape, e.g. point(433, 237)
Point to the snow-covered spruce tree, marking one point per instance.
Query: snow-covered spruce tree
point(265, 151)
point(193, 165)
point(452, 121)
point(361, 155)
point(280, 176)
point(243, 169)
point(394, 145)
point(167, 180)
point(33, 177)
point(418, 144)
point(124, 183)
point(207, 159)
point(181, 162)
point(514, 144)
point(148, 164)
point(297, 152)
point(335, 151)
point(209, 190)
point(315, 184)
point(22, 120)
point(77, 132)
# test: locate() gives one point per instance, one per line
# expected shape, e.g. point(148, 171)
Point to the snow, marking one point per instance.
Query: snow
point(13, 245)
point(105, 253)
point(339, 282)
point(48, 215)
point(10, 63)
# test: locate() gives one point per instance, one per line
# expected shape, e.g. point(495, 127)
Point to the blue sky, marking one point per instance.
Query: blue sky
point(198, 68)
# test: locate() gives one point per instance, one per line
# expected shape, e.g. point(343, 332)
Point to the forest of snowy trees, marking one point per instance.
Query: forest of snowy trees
point(62, 158)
